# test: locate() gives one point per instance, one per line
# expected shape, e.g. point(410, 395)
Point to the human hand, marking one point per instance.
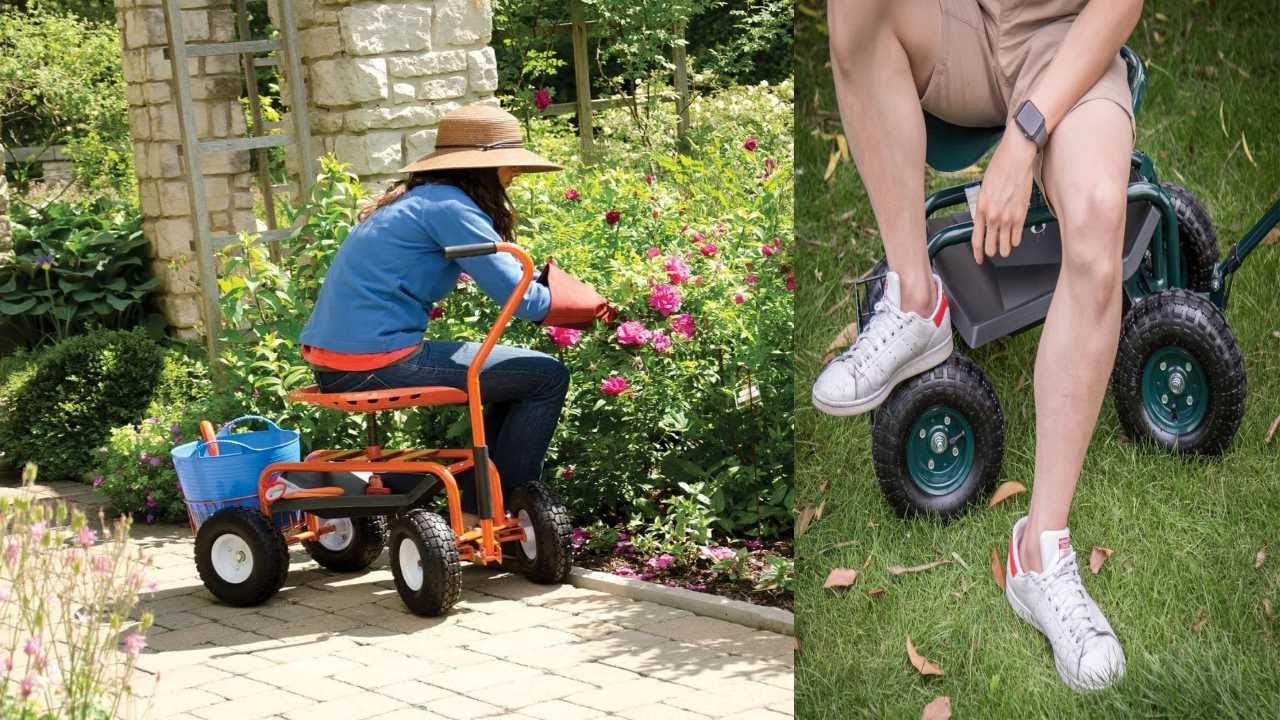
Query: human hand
point(1003, 198)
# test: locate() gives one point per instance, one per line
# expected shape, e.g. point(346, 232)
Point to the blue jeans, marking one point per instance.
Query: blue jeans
point(523, 391)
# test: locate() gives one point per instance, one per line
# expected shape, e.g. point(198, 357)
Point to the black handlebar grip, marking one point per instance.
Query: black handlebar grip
point(453, 252)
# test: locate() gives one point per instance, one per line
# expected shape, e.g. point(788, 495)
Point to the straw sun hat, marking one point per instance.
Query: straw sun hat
point(479, 136)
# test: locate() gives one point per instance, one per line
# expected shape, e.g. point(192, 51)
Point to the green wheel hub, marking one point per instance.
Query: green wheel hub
point(1175, 393)
point(940, 450)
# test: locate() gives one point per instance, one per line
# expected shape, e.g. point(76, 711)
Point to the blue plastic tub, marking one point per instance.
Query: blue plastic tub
point(211, 482)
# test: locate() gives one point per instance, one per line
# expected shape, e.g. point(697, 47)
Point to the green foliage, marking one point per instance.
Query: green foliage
point(58, 411)
point(135, 470)
point(75, 265)
point(745, 41)
point(61, 83)
point(712, 413)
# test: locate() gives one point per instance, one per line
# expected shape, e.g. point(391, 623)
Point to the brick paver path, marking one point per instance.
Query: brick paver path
point(343, 646)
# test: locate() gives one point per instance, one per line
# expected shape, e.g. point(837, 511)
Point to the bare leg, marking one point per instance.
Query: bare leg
point(882, 54)
point(1086, 171)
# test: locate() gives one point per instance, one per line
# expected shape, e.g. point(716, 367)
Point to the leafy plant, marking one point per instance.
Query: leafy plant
point(69, 592)
point(59, 411)
point(75, 265)
point(779, 574)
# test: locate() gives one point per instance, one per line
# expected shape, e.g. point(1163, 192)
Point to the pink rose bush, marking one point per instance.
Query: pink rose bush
point(665, 299)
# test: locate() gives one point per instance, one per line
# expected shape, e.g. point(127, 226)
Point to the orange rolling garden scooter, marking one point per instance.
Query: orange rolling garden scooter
point(340, 506)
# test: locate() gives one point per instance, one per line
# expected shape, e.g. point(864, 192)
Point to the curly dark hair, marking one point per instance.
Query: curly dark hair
point(480, 184)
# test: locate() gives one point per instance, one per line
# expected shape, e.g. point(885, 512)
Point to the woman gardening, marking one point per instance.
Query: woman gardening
point(366, 330)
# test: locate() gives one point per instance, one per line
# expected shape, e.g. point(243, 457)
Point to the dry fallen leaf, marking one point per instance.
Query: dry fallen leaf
point(956, 556)
point(1271, 430)
point(876, 593)
point(822, 506)
point(840, 578)
point(938, 709)
point(1260, 558)
point(1272, 237)
point(866, 562)
point(1267, 609)
point(806, 517)
point(1097, 557)
point(1202, 619)
point(842, 340)
point(919, 662)
point(832, 163)
point(1004, 492)
point(997, 567)
point(902, 570)
point(1245, 142)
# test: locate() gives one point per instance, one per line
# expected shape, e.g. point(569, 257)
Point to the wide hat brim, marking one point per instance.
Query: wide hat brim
point(475, 158)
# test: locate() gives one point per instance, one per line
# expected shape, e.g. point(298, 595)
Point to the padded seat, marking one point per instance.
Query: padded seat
point(375, 400)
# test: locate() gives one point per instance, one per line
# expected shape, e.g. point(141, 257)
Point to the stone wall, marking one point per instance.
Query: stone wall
point(157, 144)
point(380, 75)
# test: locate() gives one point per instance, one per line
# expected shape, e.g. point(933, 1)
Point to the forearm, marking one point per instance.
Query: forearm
point(1091, 44)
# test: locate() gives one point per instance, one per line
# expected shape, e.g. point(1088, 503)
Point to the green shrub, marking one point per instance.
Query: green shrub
point(75, 265)
point(58, 412)
point(702, 439)
point(61, 82)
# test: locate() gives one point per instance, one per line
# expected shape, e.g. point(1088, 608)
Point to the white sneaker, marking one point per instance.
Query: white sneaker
point(895, 345)
point(1086, 650)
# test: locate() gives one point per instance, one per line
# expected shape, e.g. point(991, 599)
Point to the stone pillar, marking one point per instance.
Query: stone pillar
point(380, 75)
point(157, 144)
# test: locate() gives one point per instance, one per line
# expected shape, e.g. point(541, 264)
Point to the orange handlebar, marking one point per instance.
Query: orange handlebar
point(495, 332)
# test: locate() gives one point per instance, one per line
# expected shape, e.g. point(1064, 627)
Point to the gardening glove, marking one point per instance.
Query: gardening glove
point(574, 304)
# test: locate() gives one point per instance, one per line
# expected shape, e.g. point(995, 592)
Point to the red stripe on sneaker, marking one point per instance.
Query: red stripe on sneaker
point(941, 312)
point(1013, 560)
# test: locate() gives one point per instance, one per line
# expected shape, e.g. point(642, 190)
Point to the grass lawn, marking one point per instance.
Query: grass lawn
point(1181, 589)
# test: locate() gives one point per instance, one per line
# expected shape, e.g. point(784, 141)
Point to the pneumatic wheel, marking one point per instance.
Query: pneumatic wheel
point(1197, 241)
point(546, 553)
point(351, 546)
point(425, 563)
point(241, 557)
point(1179, 379)
point(938, 440)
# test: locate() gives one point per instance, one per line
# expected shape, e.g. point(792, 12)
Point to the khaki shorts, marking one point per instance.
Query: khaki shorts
point(994, 53)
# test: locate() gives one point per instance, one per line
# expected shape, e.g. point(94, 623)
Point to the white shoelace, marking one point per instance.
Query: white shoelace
point(884, 325)
point(1071, 602)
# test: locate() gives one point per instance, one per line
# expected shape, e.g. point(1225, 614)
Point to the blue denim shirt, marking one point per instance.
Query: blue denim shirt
point(391, 269)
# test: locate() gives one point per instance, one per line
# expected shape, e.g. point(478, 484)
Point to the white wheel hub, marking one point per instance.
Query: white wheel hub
point(530, 542)
point(410, 562)
point(232, 558)
point(339, 537)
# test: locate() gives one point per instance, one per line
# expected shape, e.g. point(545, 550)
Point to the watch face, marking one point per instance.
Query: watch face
point(1029, 119)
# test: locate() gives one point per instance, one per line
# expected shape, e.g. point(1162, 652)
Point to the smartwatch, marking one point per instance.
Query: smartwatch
point(1031, 123)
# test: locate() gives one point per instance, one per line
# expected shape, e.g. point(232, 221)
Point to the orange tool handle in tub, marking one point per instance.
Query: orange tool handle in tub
point(207, 434)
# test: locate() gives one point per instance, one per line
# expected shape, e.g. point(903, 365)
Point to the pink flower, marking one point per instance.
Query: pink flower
point(37, 531)
point(87, 536)
point(696, 587)
point(677, 269)
point(542, 99)
point(632, 332)
point(612, 217)
point(777, 242)
point(564, 337)
point(768, 250)
point(661, 342)
point(101, 564)
point(151, 500)
point(683, 326)
point(751, 279)
point(97, 480)
point(624, 572)
point(27, 686)
point(567, 472)
point(769, 166)
point(436, 312)
point(649, 179)
point(133, 644)
point(709, 250)
point(698, 237)
point(754, 545)
point(614, 385)
point(739, 298)
point(664, 298)
point(750, 144)
point(580, 537)
point(791, 282)
point(571, 194)
point(660, 563)
point(653, 252)
point(11, 552)
point(715, 553)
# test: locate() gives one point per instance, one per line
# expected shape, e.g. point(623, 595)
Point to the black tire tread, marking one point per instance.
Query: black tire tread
point(370, 536)
point(963, 383)
point(1190, 321)
point(436, 544)
point(258, 531)
point(1197, 240)
point(553, 529)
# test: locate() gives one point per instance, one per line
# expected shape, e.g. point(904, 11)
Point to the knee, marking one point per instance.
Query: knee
point(556, 382)
point(852, 29)
point(1093, 228)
